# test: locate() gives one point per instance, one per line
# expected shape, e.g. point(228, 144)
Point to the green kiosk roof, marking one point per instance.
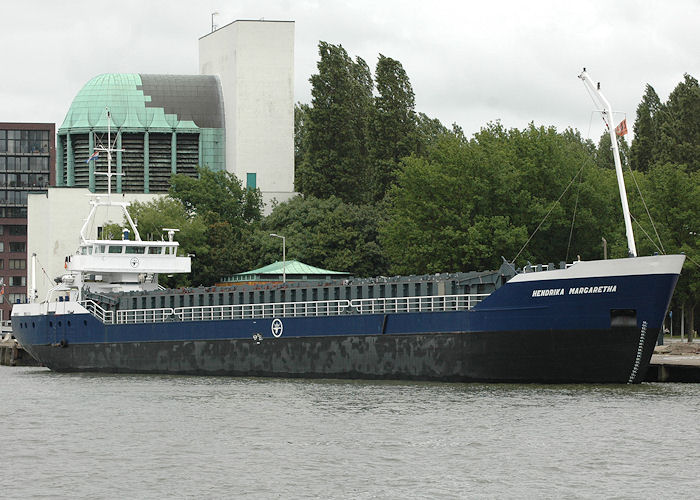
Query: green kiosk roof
point(295, 270)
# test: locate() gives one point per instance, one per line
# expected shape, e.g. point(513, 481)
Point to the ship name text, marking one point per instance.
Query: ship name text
point(582, 290)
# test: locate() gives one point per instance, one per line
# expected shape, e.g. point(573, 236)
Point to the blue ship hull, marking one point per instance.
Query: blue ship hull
point(574, 329)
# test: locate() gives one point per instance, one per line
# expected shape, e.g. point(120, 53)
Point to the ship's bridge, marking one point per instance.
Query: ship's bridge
point(120, 256)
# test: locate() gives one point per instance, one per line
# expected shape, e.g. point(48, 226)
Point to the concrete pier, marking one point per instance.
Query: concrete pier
point(675, 362)
point(12, 354)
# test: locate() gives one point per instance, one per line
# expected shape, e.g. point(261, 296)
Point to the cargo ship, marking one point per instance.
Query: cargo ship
point(582, 322)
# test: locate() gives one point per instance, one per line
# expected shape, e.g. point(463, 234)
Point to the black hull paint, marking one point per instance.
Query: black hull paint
point(606, 356)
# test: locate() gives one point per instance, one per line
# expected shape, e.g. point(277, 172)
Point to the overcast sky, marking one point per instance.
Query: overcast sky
point(468, 62)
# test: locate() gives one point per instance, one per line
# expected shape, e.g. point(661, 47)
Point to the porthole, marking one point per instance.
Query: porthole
point(84, 322)
point(33, 325)
point(59, 324)
point(68, 322)
point(51, 324)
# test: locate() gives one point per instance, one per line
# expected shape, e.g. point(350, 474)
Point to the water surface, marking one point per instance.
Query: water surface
point(145, 436)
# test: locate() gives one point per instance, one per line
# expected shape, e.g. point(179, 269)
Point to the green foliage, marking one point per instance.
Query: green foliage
point(646, 131)
point(229, 213)
point(217, 196)
point(672, 194)
point(328, 233)
point(393, 133)
point(428, 132)
point(604, 155)
point(113, 231)
point(336, 125)
point(667, 147)
point(468, 203)
point(680, 126)
point(668, 132)
point(301, 117)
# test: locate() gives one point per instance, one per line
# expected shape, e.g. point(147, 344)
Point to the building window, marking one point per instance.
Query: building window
point(16, 298)
point(18, 281)
point(18, 246)
point(2, 246)
point(17, 264)
point(251, 181)
point(17, 230)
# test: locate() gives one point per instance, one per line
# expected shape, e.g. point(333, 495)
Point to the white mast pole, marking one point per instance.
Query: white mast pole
point(607, 113)
point(33, 296)
point(109, 155)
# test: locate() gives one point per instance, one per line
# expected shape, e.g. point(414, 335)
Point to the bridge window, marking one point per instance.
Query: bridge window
point(155, 250)
point(131, 250)
point(115, 249)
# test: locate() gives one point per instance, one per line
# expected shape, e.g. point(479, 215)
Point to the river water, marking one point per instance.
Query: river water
point(136, 436)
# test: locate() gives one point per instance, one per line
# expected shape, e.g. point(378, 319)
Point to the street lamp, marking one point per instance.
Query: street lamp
point(284, 256)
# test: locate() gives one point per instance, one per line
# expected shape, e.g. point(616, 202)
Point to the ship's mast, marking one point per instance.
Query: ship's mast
point(96, 203)
point(109, 149)
point(607, 114)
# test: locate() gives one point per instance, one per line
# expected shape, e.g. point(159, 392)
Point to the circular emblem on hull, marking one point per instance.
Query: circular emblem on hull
point(277, 327)
point(134, 262)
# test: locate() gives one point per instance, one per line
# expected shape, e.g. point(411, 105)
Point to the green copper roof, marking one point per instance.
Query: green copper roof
point(151, 102)
point(290, 268)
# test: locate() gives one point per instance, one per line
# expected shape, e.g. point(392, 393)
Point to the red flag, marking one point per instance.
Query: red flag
point(621, 129)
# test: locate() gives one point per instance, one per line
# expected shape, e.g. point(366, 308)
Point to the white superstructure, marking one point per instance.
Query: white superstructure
point(120, 265)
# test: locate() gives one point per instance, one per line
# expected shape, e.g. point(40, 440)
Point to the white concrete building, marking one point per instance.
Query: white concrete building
point(254, 61)
point(54, 222)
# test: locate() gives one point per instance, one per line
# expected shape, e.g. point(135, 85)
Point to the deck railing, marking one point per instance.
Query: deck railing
point(417, 304)
point(290, 309)
point(96, 310)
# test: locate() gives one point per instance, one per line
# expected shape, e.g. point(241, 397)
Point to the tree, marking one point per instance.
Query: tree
point(217, 196)
point(667, 147)
point(228, 212)
point(335, 157)
point(680, 126)
point(393, 133)
point(646, 131)
point(326, 233)
point(428, 132)
point(672, 194)
point(301, 117)
point(604, 155)
point(466, 204)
